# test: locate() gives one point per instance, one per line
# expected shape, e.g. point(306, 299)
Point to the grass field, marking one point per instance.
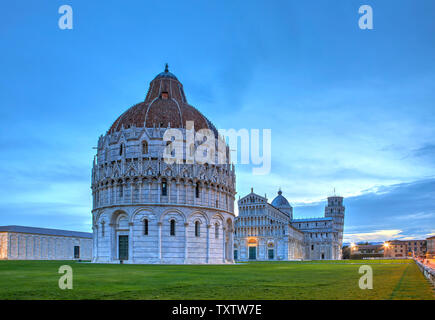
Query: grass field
point(392, 279)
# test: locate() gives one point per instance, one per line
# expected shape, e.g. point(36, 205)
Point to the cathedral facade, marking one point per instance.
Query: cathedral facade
point(149, 210)
point(266, 231)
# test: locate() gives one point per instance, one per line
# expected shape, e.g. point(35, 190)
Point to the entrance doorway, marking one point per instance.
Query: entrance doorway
point(270, 254)
point(123, 247)
point(76, 252)
point(252, 253)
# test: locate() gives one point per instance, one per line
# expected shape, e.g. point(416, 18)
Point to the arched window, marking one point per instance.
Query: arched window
point(197, 190)
point(121, 149)
point(102, 229)
point(169, 147)
point(216, 231)
point(164, 188)
point(145, 227)
point(144, 147)
point(197, 230)
point(121, 191)
point(172, 228)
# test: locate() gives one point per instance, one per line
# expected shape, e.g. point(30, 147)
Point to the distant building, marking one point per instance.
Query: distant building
point(359, 251)
point(405, 248)
point(29, 243)
point(266, 231)
point(430, 253)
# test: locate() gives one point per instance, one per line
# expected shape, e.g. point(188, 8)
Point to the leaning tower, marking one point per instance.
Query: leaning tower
point(335, 210)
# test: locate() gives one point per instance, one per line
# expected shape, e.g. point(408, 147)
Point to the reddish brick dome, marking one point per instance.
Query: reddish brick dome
point(165, 106)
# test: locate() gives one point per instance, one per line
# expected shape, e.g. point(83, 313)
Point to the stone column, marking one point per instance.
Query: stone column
point(123, 192)
point(95, 242)
point(208, 243)
point(193, 188)
point(168, 190)
point(112, 242)
point(231, 245)
point(223, 243)
point(186, 251)
point(201, 193)
point(159, 224)
point(159, 188)
point(178, 191)
point(109, 194)
point(131, 191)
point(130, 242)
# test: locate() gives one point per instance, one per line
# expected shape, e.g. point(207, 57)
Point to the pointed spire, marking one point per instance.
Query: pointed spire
point(166, 68)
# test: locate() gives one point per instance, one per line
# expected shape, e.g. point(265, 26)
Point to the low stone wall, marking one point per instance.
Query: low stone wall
point(428, 272)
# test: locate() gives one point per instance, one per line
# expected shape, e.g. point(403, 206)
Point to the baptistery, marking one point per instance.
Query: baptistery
point(163, 187)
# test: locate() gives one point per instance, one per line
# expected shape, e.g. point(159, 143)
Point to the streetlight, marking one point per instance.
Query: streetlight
point(386, 246)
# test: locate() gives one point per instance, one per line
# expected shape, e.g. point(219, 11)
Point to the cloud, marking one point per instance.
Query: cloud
point(427, 151)
point(378, 235)
point(417, 216)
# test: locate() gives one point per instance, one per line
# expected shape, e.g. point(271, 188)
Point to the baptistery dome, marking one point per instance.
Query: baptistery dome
point(150, 210)
point(165, 106)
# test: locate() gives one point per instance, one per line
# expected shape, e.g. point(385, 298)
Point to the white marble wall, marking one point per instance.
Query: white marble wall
point(22, 246)
point(3, 245)
point(213, 244)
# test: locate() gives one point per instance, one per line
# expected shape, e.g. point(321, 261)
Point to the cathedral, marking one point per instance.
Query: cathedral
point(266, 231)
point(146, 210)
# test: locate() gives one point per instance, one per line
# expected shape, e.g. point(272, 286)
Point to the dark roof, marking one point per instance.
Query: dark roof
point(369, 246)
point(163, 111)
point(312, 219)
point(45, 231)
point(280, 201)
point(166, 74)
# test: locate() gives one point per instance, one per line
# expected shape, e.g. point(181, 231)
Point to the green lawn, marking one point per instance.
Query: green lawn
point(392, 279)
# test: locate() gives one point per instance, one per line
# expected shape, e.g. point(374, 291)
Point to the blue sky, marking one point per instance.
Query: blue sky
point(348, 108)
